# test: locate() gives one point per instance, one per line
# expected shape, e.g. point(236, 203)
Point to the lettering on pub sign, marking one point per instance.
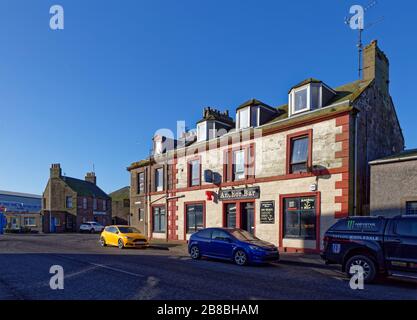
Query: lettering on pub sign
point(239, 194)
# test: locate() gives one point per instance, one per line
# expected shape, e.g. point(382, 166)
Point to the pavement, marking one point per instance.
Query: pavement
point(92, 272)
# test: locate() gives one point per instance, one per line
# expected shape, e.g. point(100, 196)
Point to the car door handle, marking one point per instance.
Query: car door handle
point(394, 241)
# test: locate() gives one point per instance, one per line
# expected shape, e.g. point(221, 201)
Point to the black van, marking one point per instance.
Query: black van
point(382, 246)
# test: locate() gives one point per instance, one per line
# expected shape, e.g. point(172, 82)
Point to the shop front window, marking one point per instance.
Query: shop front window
point(158, 218)
point(300, 218)
point(194, 218)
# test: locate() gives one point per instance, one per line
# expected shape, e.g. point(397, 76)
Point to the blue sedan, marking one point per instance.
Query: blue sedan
point(236, 245)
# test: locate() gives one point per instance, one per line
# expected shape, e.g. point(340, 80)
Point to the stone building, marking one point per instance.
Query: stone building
point(68, 202)
point(284, 173)
point(22, 211)
point(394, 184)
point(120, 200)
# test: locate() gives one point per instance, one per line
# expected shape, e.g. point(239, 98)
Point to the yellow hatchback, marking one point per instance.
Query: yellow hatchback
point(123, 237)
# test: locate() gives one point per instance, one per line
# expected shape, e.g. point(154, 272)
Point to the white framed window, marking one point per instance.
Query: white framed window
point(202, 132)
point(68, 202)
point(239, 165)
point(104, 205)
point(29, 221)
point(243, 116)
point(94, 204)
point(84, 203)
point(300, 100)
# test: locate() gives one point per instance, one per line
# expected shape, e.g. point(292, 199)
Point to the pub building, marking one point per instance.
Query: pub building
point(285, 174)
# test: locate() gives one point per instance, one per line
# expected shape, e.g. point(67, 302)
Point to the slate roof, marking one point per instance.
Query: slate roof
point(121, 194)
point(306, 81)
point(348, 92)
point(255, 102)
point(214, 114)
point(85, 188)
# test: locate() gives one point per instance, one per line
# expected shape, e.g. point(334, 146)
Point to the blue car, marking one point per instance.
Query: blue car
point(236, 245)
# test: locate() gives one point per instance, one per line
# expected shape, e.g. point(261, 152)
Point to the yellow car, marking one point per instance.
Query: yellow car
point(122, 237)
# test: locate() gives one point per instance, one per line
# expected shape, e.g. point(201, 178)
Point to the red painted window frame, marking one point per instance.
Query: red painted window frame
point(250, 161)
point(185, 214)
point(297, 135)
point(282, 197)
point(189, 172)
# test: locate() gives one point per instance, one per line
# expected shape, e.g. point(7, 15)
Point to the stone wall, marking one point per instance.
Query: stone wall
point(392, 185)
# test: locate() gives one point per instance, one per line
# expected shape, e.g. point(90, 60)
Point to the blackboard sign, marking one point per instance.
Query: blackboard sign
point(267, 213)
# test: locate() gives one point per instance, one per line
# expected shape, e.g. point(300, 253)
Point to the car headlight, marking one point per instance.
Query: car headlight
point(256, 248)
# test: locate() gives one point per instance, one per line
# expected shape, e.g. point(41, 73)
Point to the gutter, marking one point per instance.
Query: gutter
point(400, 159)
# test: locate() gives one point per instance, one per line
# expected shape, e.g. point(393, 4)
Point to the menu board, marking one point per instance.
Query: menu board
point(267, 212)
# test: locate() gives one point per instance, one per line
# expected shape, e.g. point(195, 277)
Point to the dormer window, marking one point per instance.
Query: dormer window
point(300, 100)
point(243, 117)
point(254, 113)
point(214, 124)
point(309, 95)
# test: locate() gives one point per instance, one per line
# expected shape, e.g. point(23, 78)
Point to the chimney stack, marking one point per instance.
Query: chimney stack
point(376, 66)
point(55, 170)
point(91, 177)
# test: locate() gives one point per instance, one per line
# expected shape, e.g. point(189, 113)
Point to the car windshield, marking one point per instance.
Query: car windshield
point(243, 235)
point(128, 230)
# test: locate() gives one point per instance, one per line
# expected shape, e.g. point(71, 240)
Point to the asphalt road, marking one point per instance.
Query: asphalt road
point(93, 272)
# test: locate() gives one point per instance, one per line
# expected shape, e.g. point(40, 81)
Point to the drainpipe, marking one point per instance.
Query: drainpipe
point(355, 172)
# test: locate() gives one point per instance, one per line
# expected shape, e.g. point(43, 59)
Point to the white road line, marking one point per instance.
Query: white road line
point(117, 270)
point(105, 267)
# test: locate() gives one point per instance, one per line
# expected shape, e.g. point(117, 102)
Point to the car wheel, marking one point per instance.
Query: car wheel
point(195, 253)
point(92, 231)
point(120, 244)
point(103, 242)
point(368, 265)
point(240, 258)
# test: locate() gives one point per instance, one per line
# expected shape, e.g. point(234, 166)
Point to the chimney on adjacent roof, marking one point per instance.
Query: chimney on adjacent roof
point(55, 170)
point(91, 177)
point(376, 66)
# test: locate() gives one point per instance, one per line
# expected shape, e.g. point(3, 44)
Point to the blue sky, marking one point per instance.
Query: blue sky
point(96, 92)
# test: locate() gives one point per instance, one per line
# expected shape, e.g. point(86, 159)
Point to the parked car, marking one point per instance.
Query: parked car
point(382, 246)
point(236, 245)
point(122, 237)
point(91, 227)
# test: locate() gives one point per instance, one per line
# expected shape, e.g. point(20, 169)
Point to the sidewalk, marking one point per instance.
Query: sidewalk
point(308, 260)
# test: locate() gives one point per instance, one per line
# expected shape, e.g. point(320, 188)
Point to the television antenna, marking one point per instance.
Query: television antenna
point(358, 15)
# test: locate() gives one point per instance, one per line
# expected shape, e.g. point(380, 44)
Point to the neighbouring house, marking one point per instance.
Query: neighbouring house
point(68, 202)
point(394, 184)
point(120, 200)
point(285, 174)
point(22, 211)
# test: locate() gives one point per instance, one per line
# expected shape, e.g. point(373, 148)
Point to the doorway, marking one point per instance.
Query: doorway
point(240, 214)
point(247, 216)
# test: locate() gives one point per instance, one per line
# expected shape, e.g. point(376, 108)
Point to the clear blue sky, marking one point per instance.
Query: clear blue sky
point(98, 90)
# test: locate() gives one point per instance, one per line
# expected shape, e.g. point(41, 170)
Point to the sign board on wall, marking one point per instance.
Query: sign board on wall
point(267, 212)
point(239, 194)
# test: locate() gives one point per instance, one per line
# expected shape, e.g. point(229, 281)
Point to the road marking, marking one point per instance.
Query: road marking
point(117, 270)
point(105, 267)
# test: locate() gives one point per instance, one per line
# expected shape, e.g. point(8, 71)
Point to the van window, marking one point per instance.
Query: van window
point(407, 227)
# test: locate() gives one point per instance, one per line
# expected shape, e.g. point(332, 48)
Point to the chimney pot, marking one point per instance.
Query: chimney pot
point(91, 177)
